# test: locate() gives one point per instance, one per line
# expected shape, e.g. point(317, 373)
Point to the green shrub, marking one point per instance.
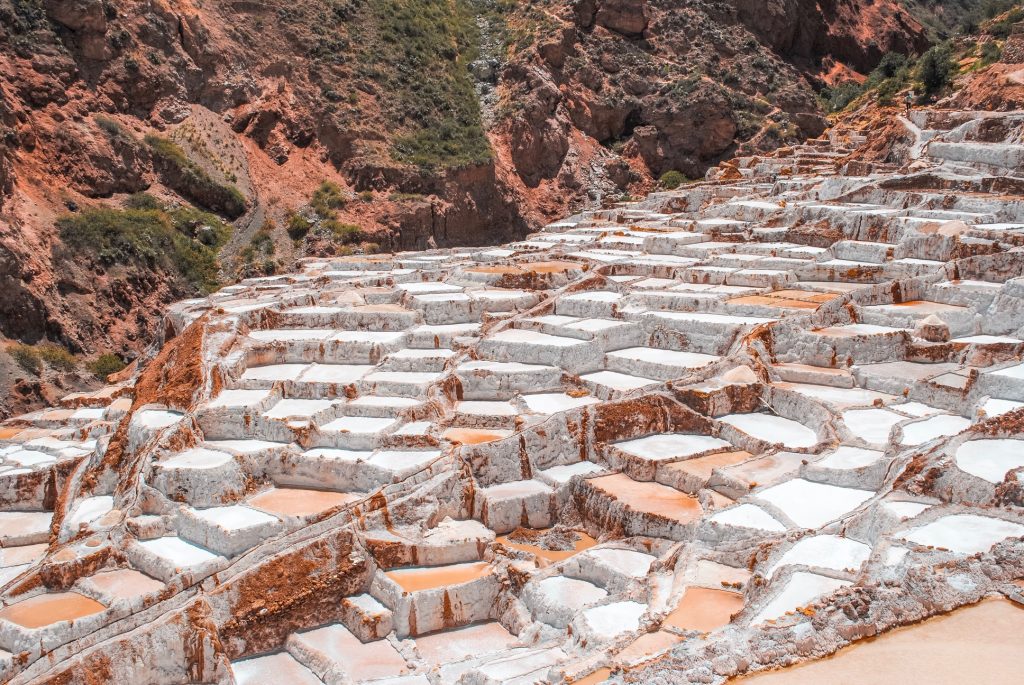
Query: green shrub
point(142, 201)
point(298, 226)
point(888, 89)
point(327, 198)
point(672, 179)
point(936, 68)
point(366, 196)
point(343, 233)
point(104, 365)
point(149, 238)
point(56, 357)
point(891, 64)
point(840, 96)
point(989, 53)
point(27, 357)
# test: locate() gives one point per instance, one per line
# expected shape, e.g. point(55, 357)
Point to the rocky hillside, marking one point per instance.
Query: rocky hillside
point(152, 150)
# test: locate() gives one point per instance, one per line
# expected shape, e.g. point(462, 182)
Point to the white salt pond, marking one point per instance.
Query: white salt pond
point(685, 360)
point(234, 517)
point(839, 398)
point(920, 432)
point(155, 419)
point(906, 510)
point(748, 516)
point(402, 460)
point(619, 381)
point(556, 599)
point(671, 446)
point(448, 646)
point(846, 457)
point(287, 409)
point(611, 620)
point(995, 407)
point(803, 588)
point(274, 372)
point(826, 551)
point(625, 561)
point(273, 669)
point(773, 429)
point(358, 424)
point(521, 336)
point(964, 533)
point(553, 402)
point(340, 374)
point(238, 398)
point(28, 458)
point(872, 425)
point(90, 509)
point(179, 552)
point(812, 505)
point(338, 648)
point(197, 458)
point(990, 460)
point(486, 408)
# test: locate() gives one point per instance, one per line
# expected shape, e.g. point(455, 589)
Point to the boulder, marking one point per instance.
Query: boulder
point(78, 15)
point(628, 17)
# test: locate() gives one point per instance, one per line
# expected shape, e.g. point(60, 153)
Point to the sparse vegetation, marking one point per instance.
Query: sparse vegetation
point(890, 76)
point(1001, 19)
point(181, 239)
point(323, 222)
point(932, 72)
point(383, 48)
point(192, 181)
point(406, 197)
point(258, 255)
point(111, 127)
point(27, 357)
point(56, 357)
point(944, 18)
point(32, 358)
point(104, 365)
point(439, 116)
point(839, 98)
point(989, 53)
point(142, 201)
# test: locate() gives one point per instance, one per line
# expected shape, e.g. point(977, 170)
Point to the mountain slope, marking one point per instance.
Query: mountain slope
point(428, 122)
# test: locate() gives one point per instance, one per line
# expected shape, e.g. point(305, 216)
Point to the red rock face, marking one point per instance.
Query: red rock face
point(854, 33)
